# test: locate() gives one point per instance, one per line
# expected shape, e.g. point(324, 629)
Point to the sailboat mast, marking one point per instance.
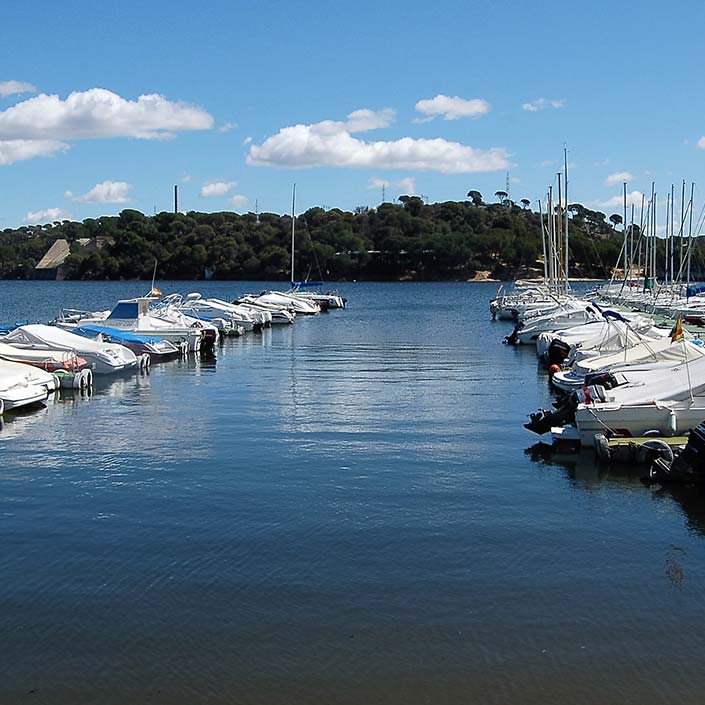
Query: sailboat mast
point(543, 242)
point(565, 171)
point(293, 230)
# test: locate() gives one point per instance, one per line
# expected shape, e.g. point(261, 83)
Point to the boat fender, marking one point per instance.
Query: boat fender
point(672, 423)
point(602, 448)
point(87, 377)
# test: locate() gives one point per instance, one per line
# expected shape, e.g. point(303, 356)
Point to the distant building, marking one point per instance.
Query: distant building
point(51, 266)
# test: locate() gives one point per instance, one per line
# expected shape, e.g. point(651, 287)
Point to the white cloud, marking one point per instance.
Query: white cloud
point(247, 140)
point(633, 198)
point(217, 188)
point(99, 113)
point(376, 183)
point(331, 144)
point(227, 127)
point(701, 143)
point(451, 108)
point(366, 119)
point(12, 151)
point(14, 87)
point(185, 178)
point(46, 216)
point(238, 201)
point(408, 185)
point(618, 177)
point(543, 103)
point(105, 192)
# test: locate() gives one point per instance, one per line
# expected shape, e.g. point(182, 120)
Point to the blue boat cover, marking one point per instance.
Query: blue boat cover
point(693, 290)
point(119, 336)
point(303, 285)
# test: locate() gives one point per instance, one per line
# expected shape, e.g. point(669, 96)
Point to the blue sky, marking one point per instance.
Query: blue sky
point(105, 108)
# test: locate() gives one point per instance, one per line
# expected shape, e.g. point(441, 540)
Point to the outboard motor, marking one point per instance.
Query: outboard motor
point(512, 338)
point(601, 379)
point(688, 468)
point(558, 351)
point(544, 419)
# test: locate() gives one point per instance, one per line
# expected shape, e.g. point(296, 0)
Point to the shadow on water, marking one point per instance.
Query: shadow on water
point(585, 472)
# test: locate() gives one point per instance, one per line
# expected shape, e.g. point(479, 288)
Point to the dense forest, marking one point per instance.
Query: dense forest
point(408, 240)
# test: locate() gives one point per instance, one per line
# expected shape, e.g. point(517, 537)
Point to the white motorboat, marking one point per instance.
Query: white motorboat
point(287, 301)
point(136, 316)
point(104, 358)
point(649, 352)
point(569, 315)
point(48, 360)
point(277, 314)
point(233, 315)
point(22, 385)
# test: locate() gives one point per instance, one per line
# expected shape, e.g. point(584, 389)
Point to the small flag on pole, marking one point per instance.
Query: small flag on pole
point(677, 330)
point(155, 292)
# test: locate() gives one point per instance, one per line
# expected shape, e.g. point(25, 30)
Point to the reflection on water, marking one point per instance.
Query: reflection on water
point(338, 511)
point(584, 472)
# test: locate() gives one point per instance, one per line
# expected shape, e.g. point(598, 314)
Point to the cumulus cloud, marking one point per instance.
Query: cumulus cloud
point(331, 144)
point(238, 201)
point(365, 119)
point(14, 87)
point(105, 192)
point(633, 198)
point(451, 108)
point(12, 151)
point(217, 188)
point(376, 183)
point(226, 127)
point(46, 216)
point(618, 177)
point(408, 185)
point(99, 113)
point(542, 103)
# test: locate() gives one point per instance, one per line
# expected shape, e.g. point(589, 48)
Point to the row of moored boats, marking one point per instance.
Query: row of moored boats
point(621, 365)
point(38, 359)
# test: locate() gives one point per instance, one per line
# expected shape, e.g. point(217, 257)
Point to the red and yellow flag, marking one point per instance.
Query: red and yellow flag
point(677, 330)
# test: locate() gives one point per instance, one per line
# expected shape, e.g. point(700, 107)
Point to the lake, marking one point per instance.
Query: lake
point(343, 511)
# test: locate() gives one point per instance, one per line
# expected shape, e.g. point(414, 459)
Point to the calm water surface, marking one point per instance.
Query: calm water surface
point(343, 511)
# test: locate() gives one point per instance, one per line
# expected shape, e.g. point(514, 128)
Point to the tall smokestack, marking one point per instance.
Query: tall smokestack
point(176, 198)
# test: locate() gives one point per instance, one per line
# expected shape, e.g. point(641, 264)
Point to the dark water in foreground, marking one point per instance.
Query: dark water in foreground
point(343, 512)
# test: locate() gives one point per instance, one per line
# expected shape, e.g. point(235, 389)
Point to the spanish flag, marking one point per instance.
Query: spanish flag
point(677, 330)
point(155, 292)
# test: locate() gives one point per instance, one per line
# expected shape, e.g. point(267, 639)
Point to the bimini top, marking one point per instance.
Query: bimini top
point(115, 334)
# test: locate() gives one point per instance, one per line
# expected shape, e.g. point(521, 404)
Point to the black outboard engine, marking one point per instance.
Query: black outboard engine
point(601, 379)
point(558, 351)
point(688, 468)
point(544, 419)
point(512, 338)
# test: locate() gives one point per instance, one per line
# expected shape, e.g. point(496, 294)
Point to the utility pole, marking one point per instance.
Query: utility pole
point(176, 198)
point(383, 193)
